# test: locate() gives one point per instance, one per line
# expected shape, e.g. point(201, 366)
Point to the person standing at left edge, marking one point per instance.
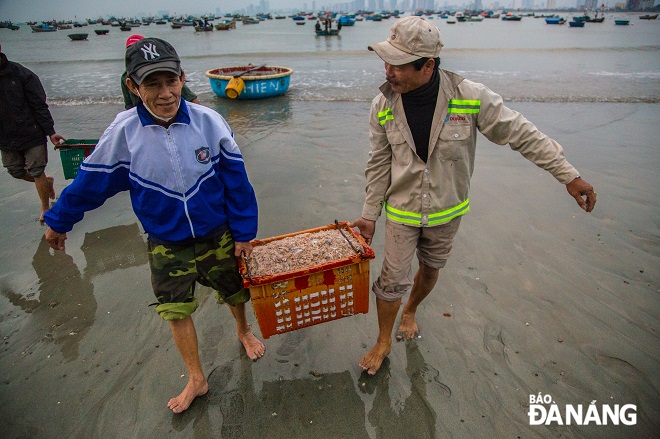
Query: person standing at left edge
point(25, 121)
point(189, 189)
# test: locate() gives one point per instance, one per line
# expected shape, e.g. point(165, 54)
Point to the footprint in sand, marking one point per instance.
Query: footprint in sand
point(431, 374)
point(291, 342)
point(494, 342)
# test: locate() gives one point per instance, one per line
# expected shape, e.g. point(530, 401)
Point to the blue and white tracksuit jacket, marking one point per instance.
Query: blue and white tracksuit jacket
point(185, 181)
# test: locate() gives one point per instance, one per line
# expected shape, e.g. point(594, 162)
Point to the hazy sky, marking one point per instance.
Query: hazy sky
point(37, 10)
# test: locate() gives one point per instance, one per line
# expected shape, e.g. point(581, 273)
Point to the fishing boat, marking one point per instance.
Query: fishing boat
point(175, 26)
point(78, 37)
point(511, 17)
point(249, 82)
point(101, 31)
point(346, 21)
point(648, 17)
point(576, 23)
point(13, 27)
point(555, 20)
point(43, 28)
point(622, 22)
point(208, 28)
point(226, 25)
point(595, 19)
point(250, 20)
point(327, 33)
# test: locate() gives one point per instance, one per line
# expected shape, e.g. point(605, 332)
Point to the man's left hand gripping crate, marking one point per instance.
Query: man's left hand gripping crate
point(314, 294)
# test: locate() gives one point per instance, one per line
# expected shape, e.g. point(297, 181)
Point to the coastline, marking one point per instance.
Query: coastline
point(542, 297)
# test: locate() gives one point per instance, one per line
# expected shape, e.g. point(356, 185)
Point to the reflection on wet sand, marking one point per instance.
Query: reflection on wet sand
point(323, 406)
point(413, 417)
point(113, 248)
point(66, 306)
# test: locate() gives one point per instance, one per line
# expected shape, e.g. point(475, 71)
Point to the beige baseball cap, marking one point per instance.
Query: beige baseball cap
point(410, 38)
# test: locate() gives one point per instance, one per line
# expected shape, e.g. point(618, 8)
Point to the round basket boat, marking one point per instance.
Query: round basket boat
point(242, 82)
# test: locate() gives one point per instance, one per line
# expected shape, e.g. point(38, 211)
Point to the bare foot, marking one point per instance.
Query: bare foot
point(254, 348)
point(192, 391)
point(408, 328)
point(374, 358)
point(51, 188)
point(41, 217)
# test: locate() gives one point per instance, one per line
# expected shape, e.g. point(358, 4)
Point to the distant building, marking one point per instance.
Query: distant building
point(425, 5)
point(591, 4)
point(551, 5)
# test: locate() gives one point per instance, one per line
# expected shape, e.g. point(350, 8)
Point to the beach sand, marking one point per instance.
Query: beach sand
point(538, 297)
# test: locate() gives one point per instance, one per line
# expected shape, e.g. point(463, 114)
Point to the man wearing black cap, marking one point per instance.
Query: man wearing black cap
point(423, 130)
point(130, 99)
point(189, 189)
point(25, 122)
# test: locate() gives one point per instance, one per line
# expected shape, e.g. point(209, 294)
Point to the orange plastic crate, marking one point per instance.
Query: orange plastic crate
point(317, 294)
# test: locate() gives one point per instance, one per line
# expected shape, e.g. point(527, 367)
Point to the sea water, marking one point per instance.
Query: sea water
point(523, 61)
point(595, 90)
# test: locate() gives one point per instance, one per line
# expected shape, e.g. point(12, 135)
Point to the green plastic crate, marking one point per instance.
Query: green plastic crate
point(72, 154)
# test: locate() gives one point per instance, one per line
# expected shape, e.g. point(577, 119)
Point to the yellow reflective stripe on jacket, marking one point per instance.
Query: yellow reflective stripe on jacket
point(464, 106)
point(385, 115)
point(434, 219)
point(449, 214)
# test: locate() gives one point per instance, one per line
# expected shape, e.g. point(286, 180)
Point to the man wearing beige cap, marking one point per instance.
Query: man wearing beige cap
point(423, 130)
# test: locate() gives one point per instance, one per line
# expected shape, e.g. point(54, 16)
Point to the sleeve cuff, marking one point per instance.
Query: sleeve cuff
point(567, 177)
point(370, 212)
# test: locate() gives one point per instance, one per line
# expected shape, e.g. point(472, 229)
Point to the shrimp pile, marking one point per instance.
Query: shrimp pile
point(301, 251)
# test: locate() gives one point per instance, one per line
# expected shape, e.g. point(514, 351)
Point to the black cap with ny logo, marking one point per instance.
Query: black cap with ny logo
point(151, 55)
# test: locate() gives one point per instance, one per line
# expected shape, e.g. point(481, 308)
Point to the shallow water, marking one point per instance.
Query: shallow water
point(524, 61)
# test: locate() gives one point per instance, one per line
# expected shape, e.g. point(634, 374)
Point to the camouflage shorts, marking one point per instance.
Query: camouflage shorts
point(175, 268)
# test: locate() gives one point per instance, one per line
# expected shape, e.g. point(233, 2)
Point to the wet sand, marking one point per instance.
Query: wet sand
point(538, 297)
